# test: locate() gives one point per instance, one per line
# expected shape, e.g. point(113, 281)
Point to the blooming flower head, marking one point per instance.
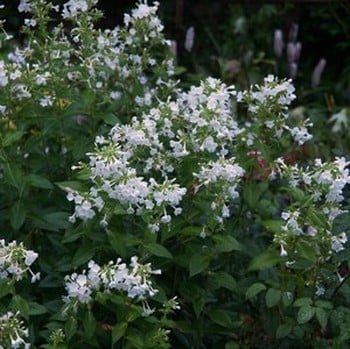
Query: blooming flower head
point(13, 334)
point(15, 261)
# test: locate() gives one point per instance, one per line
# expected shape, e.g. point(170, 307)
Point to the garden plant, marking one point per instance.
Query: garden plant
point(137, 213)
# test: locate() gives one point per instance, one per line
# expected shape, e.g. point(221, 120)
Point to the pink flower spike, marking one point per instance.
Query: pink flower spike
point(317, 73)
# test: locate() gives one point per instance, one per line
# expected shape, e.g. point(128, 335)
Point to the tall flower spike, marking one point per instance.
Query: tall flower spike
point(278, 43)
point(317, 73)
point(189, 39)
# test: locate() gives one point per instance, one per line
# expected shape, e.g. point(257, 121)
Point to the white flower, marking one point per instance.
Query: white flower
point(132, 280)
point(24, 6)
point(338, 242)
point(30, 257)
point(283, 253)
point(72, 8)
point(340, 121)
point(46, 101)
point(15, 261)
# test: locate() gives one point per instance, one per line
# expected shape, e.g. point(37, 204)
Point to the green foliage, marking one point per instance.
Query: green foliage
point(232, 241)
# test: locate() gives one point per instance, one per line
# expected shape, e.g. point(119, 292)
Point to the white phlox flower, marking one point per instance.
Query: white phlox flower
point(16, 261)
point(13, 333)
point(133, 280)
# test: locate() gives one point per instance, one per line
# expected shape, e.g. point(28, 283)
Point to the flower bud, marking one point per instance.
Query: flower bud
point(316, 75)
point(297, 51)
point(291, 52)
point(189, 40)
point(292, 70)
point(278, 43)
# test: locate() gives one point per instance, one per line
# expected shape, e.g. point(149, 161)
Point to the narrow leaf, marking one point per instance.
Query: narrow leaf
point(118, 331)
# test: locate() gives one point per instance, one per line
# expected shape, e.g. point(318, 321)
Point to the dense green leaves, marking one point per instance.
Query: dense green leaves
point(158, 221)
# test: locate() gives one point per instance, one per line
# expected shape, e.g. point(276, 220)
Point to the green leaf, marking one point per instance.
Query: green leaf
point(70, 185)
point(265, 260)
point(287, 298)
point(135, 338)
point(251, 195)
point(223, 279)
point(273, 225)
point(71, 327)
point(118, 331)
point(272, 297)
point(306, 251)
point(298, 331)
point(17, 215)
point(158, 250)
point(110, 119)
point(324, 304)
point(318, 219)
point(57, 220)
point(83, 255)
point(13, 175)
point(72, 235)
point(191, 230)
point(5, 287)
point(297, 194)
point(283, 330)
point(36, 309)
point(220, 317)
point(11, 137)
point(89, 324)
point(132, 315)
point(322, 317)
point(39, 182)
point(305, 314)
point(301, 302)
point(226, 243)
point(341, 223)
point(198, 263)
point(254, 289)
point(117, 242)
point(198, 305)
point(232, 345)
point(20, 304)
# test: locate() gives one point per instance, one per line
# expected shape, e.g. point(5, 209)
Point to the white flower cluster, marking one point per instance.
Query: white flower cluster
point(134, 280)
point(198, 124)
point(292, 224)
point(15, 261)
point(208, 117)
point(223, 176)
point(268, 104)
point(323, 183)
point(98, 61)
point(72, 8)
point(265, 96)
point(124, 166)
point(13, 334)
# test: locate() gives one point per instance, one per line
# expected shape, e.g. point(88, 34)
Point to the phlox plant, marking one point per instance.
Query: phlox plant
point(159, 217)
